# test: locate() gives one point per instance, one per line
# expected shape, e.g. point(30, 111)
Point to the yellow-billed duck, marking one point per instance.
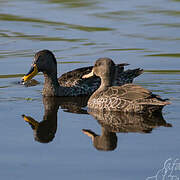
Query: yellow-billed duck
point(72, 83)
point(125, 98)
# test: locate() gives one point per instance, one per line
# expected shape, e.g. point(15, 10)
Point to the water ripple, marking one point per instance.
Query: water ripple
point(10, 17)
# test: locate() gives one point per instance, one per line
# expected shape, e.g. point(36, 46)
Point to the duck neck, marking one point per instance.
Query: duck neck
point(107, 78)
point(107, 133)
point(51, 85)
point(50, 112)
point(51, 106)
point(105, 82)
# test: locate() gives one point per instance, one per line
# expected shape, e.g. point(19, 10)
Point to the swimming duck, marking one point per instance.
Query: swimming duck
point(72, 83)
point(125, 98)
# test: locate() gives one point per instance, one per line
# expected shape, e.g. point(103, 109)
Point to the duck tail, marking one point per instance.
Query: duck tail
point(159, 100)
point(153, 105)
point(120, 67)
point(155, 100)
point(134, 72)
point(127, 76)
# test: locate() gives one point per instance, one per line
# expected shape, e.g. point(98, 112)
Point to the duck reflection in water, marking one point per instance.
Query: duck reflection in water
point(117, 122)
point(45, 130)
point(74, 104)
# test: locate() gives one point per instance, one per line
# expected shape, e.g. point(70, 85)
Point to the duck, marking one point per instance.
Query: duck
point(126, 98)
point(72, 83)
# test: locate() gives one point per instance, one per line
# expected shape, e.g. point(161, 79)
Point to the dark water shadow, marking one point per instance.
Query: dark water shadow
point(45, 130)
point(117, 122)
point(110, 122)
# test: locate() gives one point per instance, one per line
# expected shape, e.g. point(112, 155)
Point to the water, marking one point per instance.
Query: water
point(142, 33)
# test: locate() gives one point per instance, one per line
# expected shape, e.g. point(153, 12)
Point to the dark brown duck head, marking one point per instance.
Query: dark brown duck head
point(105, 69)
point(44, 61)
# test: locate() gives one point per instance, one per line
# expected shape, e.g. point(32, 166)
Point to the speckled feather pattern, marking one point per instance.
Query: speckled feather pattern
point(126, 98)
point(74, 85)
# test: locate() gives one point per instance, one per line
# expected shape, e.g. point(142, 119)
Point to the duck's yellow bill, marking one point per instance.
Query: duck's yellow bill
point(31, 121)
point(88, 133)
point(32, 72)
point(88, 75)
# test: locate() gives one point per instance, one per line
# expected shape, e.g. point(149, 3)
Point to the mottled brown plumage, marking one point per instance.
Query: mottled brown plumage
point(72, 83)
point(125, 98)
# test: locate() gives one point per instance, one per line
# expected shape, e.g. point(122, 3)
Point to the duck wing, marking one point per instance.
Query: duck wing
point(127, 98)
point(74, 77)
point(136, 94)
point(127, 76)
point(133, 92)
